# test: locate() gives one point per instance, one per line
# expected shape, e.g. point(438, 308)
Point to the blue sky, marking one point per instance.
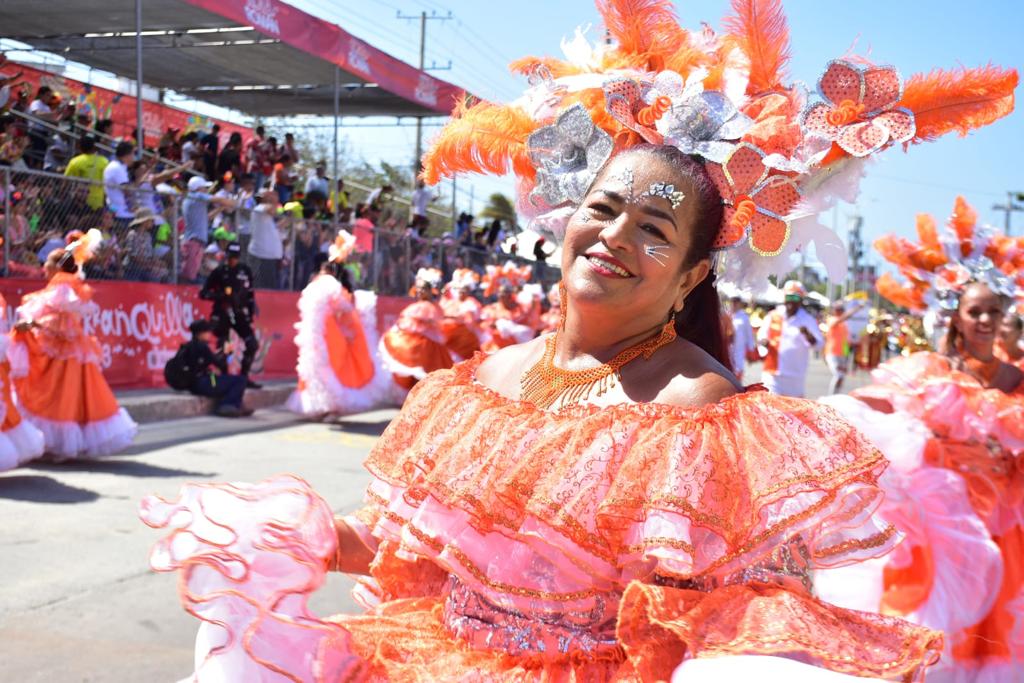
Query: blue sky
point(913, 35)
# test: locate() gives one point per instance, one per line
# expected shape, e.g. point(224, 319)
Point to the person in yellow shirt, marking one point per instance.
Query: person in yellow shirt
point(89, 165)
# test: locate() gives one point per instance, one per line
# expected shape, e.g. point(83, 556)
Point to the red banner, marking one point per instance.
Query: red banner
point(100, 103)
point(330, 42)
point(140, 326)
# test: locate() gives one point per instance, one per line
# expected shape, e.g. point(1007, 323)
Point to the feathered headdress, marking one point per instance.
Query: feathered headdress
point(777, 158)
point(939, 266)
point(343, 246)
point(464, 278)
point(509, 275)
point(82, 247)
point(429, 276)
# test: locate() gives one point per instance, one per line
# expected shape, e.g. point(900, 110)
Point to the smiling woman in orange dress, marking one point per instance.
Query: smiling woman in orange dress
point(604, 502)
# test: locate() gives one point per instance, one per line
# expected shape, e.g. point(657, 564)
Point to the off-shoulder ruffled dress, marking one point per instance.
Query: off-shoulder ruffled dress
point(585, 544)
point(956, 489)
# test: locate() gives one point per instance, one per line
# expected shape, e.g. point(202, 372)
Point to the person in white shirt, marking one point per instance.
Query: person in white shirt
point(319, 182)
point(789, 332)
point(115, 181)
point(266, 244)
point(421, 198)
point(742, 336)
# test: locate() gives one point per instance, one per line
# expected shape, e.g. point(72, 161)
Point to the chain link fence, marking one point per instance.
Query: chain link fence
point(165, 234)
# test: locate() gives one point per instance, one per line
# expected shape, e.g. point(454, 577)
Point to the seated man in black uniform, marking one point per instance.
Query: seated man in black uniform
point(204, 373)
point(230, 288)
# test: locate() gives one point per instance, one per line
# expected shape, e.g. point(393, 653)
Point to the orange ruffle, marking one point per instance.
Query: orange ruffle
point(459, 338)
point(660, 626)
point(12, 418)
point(349, 355)
point(63, 389)
point(992, 637)
point(620, 492)
point(951, 403)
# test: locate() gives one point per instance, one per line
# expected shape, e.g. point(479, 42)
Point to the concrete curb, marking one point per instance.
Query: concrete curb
point(158, 405)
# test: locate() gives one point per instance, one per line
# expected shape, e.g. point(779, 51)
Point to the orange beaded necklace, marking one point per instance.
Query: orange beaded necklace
point(545, 384)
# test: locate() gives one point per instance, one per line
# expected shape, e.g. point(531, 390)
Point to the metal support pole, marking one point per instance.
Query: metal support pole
point(141, 142)
point(419, 119)
point(7, 221)
point(175, 242)
point(455, 212)
point(336, 169)
point(291, 273)
point(376, 260)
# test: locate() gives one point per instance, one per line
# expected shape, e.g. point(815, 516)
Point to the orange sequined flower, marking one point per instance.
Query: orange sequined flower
point(859, 113)
point(755, 201)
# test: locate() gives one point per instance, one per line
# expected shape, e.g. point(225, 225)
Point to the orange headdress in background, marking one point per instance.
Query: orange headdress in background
point(945, 259)
point(508, 275)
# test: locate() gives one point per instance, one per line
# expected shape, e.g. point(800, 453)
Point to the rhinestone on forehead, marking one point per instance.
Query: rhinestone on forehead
point(665, 191)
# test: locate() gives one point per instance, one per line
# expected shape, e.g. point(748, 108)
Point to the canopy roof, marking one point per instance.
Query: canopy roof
point(262, 57)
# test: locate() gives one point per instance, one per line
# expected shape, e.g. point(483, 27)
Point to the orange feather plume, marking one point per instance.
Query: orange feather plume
point(557, 67)
point(485, 138)
point(647, 32)
point(906, 296)
point(958, 100)
point(759, 27)
point(927, 232)
point(964, 218)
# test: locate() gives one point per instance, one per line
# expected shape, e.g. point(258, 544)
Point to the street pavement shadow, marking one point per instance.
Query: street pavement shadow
point(357, 427)
point(127, 468)
point(33, 488)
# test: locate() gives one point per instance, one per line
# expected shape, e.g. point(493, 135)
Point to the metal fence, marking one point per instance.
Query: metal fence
point(39, 209)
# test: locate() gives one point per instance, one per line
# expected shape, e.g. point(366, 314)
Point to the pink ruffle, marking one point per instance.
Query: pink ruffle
point(949, 402)
point(249, 557)
point(931, 507)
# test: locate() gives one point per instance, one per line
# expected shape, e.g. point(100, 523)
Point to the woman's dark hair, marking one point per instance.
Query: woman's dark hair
point(67, 263)
point(700, 321)
point(1016, 321)
point(343, 275)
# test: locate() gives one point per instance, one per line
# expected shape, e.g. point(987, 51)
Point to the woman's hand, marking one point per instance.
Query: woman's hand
point(352, 556)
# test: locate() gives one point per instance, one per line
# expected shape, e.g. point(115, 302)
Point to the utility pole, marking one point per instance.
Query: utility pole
point(423, 18)
point(856, 250)
point(1010, 207)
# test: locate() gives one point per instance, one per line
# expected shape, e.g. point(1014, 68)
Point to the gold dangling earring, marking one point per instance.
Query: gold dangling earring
point(562, 305)
point(666, 336)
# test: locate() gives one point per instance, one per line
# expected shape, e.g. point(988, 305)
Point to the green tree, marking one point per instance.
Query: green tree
point(501, 207)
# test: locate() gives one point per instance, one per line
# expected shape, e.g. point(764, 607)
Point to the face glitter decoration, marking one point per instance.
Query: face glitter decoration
point(626, 178)
point(655, 252)
point(665, 191)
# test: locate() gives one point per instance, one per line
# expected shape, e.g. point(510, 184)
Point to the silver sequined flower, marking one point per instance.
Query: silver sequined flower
point(704, 123)
point(567, 154)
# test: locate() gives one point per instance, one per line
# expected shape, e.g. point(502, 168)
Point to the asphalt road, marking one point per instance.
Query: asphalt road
point(77, 600)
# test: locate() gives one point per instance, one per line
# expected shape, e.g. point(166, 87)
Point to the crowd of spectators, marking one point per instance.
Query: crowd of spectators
point(205, 189)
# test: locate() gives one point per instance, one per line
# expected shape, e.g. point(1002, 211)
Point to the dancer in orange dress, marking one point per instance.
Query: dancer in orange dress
point(461, 325)
point(415, 345)
point(62, 390)
point(20, 441)
point(606, 502)
point(952, 425)
point(507, 321)
point(338, 365)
